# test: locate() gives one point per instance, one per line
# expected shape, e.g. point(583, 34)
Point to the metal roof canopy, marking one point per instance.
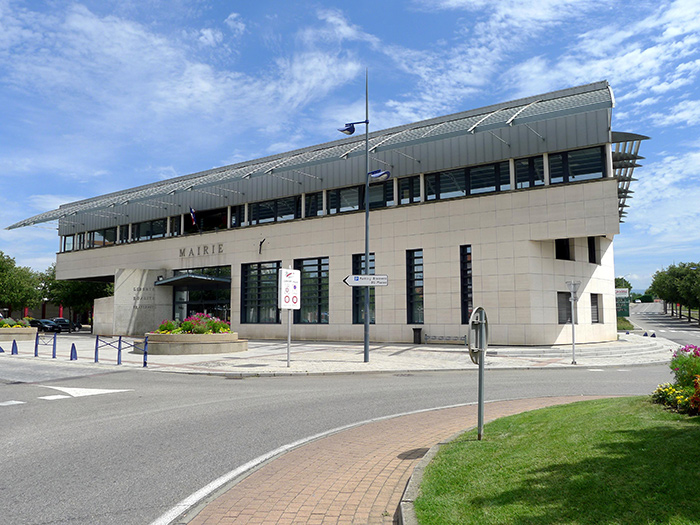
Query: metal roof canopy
point(192, 279)
point(324, 166)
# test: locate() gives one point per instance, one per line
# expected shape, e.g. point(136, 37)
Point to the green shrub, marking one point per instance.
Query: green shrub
point(685, 365)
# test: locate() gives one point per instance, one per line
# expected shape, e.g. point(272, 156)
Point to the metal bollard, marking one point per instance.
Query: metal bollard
point(53, 353)
point(119, 351)
point(73, 353)
point(145, 352)
point(36, 344)
point(14, 348)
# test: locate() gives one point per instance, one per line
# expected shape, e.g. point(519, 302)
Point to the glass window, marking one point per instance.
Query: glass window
point(564, 307)
point(586, 164)
point(503, 171)
point(557, 168)
point(465, 274)
point(313, 204)
point(593, 250)
point(596, 308)
point(483, 179)
point(414, 284)
point(529, 172)
point(453, 184)
point(175, 225)
point(314, 291)
point(123, 233)
point(562, 249)
point(578, 165)
point(237, 216)
point(409, 189)
point(431, 187)
point(287, 209)
point(343, 200)
point(381, 195)
point(259, 293)
point(97, 239)
point(158, 228)
point(262, 212)
point(68, 243)
point(358, 292)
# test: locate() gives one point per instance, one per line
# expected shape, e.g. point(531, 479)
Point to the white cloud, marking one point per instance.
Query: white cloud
point(235, 24)
point(685, 112)
point(210, 37)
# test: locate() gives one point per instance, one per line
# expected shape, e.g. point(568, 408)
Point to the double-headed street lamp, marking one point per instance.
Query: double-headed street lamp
point(377, 176)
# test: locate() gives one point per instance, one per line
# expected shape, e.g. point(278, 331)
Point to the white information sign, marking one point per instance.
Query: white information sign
point(366, 280)
point(290, 289)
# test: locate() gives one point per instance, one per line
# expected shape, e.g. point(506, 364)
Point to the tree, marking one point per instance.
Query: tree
point(19, 285)
point(621, 282)
point(78, 296)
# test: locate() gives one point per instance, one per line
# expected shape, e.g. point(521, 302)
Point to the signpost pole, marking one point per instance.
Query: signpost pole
point(289, 334)
point(477, 342)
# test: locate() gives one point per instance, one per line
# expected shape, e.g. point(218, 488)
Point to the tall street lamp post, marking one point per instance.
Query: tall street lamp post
point(377, 176)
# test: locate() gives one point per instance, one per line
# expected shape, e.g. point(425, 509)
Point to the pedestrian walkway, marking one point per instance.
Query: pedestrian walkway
point(355, 476)
point(269, 358)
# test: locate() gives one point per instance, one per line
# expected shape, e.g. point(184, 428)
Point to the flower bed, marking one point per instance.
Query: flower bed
point(16, 330)
point(684, 394)
point(198, 334)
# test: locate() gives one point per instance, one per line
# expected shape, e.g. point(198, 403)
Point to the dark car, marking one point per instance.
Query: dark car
point(65, 324)
point(45, 325)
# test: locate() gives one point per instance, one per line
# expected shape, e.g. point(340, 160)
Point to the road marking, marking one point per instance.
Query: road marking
point(82, 392)
point(54, 398)
point(11, 403)
point(596, 370)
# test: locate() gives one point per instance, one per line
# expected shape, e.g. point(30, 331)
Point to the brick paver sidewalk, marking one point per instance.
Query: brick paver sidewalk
point(355, 476)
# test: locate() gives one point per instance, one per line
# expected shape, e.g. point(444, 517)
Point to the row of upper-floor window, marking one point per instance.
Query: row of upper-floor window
point(564, 167)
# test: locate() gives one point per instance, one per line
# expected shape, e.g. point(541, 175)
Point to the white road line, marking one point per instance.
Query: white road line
point(82, 392)
point(11, 403)
point(54, 398)
point(596, 370)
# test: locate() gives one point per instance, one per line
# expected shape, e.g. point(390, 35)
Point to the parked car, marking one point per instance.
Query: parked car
point(66, 325)
point(45, 325)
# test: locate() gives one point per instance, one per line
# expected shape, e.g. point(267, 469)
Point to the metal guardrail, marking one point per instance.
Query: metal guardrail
point(119, 343)
point(461, 338)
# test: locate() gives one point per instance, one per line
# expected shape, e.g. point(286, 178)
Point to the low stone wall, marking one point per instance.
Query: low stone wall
point(18, 334)
point(187, 344)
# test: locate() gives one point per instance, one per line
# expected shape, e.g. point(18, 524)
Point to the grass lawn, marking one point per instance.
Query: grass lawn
point(624, 324)
point(612, 461)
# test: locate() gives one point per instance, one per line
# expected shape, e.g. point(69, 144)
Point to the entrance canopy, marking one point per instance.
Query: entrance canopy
point(192, 279)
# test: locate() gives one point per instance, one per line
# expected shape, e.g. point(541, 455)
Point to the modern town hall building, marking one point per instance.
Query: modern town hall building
point(498, 207)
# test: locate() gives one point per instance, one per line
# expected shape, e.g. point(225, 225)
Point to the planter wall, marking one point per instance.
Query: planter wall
point(18, 334)
point(186, 344)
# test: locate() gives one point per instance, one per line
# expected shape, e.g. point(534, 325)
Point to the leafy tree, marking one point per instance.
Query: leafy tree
point(78, 296)
point(19, 285)
point(621, 282)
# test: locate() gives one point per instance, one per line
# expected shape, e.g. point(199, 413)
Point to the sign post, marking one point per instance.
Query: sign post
point(289, 299)
point(477, 342)
point(622, 302)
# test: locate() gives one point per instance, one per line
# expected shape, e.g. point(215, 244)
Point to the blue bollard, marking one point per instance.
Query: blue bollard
point(97, 343)
point(654, 334)
point(96, 356)
point(627, 332)
point(119, 351)
point(14, 348)
point(1, 350)
point(53, 353)
point(73, 353)
point(645, 334)
point(36, 344)
point(145, 352)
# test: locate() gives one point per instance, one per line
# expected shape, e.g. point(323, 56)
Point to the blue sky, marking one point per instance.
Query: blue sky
point(99, 96)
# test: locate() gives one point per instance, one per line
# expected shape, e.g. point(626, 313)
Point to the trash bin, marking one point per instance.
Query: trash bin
point(417, 336)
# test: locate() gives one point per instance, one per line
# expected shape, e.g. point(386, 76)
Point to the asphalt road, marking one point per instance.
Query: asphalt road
point(124, 457)
point(651, 317)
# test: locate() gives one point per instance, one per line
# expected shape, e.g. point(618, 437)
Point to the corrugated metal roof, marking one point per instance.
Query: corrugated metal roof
point(238, 179)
